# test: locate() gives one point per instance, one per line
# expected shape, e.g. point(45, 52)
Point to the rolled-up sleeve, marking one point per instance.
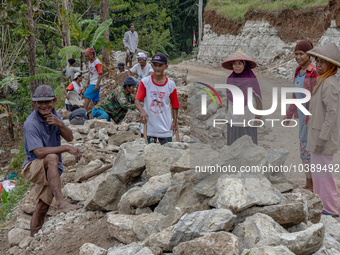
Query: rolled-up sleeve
point(330, 99)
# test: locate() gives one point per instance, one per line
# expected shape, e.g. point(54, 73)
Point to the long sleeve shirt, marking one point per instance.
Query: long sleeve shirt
point(69, 72)
point(131, 40)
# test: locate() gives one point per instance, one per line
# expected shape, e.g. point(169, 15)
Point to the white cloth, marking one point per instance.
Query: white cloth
point(8, 185)
point(142, 73)
point(76, 88)
point(93, 71)
point(131, 40)
point(122, 72)
point(157, 104)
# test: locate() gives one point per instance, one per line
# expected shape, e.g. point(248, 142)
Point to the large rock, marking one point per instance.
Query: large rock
point(292, 211)
point(91, 249)
point(122, 137)
point(16, 235)
point(210, 244)
point(121, 228)
point(201, 154)
point(330, 243)
point(130, 161)
point(144, 225)
point(172, 218)
point(261, 230)
point(236, 193)
point(124, 205)
point(332, 226)
point(159, 159)
point(106, 194)
point(160, 239)
point(145, 251)
point(314, 205)
point(81, 191)
point(199, 223)
point(84, 170)
point(153, 191)
point(183, 164)
point(182, 195)
point(102, 135)
point(108, 126)
point(69, 160)
point(268, 250)
point(324, 251)
point(121, 249)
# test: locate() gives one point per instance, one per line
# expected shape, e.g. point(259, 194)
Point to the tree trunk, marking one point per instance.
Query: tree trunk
point(104, 15)
point(1, 142)
point(31, 48)
point(9, 123)
point(66, 29)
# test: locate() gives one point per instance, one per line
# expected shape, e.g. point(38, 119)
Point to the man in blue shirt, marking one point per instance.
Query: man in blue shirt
point(43, 165)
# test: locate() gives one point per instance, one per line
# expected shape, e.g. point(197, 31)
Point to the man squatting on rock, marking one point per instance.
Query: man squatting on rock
point(158, 91)
point(43, 149)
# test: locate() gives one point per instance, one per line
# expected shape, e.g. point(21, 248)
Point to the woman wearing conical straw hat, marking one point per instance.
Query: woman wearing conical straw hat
point(323, 126)
point(242, 77)
point(305, 77)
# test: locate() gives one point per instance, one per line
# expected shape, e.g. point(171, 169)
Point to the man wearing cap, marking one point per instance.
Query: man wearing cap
point(116, 105)
point(142, 68)
point(70, 70)
point(158, 92)
point(121, 68)
point(77, 88)
point(43, 149)
point(95, 80)
point(130, 43)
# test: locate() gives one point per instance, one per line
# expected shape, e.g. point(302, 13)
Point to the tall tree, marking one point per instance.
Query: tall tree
point(31, 48)
point(66, 31)
point(104, 15)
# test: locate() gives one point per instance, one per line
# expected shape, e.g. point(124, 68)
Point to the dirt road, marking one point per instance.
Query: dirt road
point(280, 137)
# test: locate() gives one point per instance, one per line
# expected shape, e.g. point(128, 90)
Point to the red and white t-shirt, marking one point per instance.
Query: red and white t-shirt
point(157, 99)
point(95, 69)
point(74, 86)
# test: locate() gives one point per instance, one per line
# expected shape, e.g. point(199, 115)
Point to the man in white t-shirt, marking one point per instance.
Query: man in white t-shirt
point(95, 78)
point(143, 69)
point(130, 43)
point(160, 96)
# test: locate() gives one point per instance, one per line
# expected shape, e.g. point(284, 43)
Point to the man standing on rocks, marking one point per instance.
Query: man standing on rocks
point(118, 103)
point(95, 78)
point(131, 43)
point(158, 91)
point(43, 149)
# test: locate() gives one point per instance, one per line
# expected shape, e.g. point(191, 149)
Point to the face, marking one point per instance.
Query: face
point(321, 65)
point(121, 68)
point(301, 57)
point(132, 28)
point(238, 66)
point(131, 89)
point(141, 61)
point(159, 68)
point(80, 79)
point(45, 107)
point(89, 56)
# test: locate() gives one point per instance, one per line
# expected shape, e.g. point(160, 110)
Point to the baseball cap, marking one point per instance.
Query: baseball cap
point(159, 58)
point(43, 93)
point(76, 75)
point(130, 81)
point(141, 55)
point(121, 64)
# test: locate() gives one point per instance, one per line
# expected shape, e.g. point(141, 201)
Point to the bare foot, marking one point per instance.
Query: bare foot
point(66, 207)
point(307, 187)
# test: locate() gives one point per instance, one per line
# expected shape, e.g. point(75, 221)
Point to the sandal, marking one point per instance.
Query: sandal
point(327, 213)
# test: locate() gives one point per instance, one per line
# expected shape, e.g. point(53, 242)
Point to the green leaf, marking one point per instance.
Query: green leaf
point(49, 69)
point(100, 32)
point(6, 102)
point(70, 50)
point(4, 196)
point(76, 28)
point(42, 76)
point(7, 80)
point(49, 28)
point(90, 27)
point(85, 21)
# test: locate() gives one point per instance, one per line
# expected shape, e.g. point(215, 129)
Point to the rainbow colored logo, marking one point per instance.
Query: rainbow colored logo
point(212, 89)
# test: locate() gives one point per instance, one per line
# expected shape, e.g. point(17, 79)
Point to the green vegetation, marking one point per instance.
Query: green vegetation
point(236, 9)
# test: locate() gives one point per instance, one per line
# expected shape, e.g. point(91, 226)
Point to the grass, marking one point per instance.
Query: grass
point(184, 57)
point(236, 9)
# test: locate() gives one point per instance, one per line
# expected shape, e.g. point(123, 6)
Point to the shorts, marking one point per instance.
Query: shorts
point(91, 94)
point(69, 107)
point(100, 114)
point(304, 154)
point(162, 140)
point(35, 172)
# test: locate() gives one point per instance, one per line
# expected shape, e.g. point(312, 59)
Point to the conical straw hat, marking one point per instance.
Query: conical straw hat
point(238, 55)
point(328, 52)
point(75, 98)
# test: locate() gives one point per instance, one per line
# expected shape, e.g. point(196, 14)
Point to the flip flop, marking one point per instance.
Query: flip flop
point(327, 213)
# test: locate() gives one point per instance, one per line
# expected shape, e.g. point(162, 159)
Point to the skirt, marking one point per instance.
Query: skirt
point(234, 133)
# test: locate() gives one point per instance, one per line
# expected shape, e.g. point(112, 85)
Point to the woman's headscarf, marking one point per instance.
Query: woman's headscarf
point(331, 70)
point(243, 81)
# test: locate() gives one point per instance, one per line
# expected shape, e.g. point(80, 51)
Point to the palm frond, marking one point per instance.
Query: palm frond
point(7, 80)
point(90, 27)
point(70, 50)
point(49, 69)
point(49, 28)
point(6, 102)
point(98, 37)
point(42, 76)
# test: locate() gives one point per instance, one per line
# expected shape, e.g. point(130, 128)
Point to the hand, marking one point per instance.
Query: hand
point(96, 88)
point(286, 122)
point(144, 117)
point(68, 97)
point(126, 48)
point(173, 126)
point(135, 50)
point(320, 145)
point(74, 151)
point(51, 119)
